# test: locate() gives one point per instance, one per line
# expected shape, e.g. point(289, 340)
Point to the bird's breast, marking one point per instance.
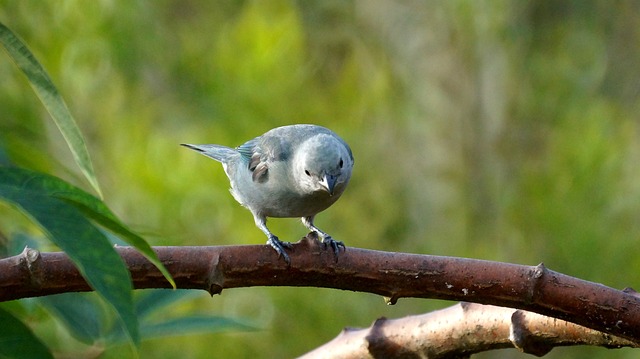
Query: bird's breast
point(278, 196)
point(289, 204)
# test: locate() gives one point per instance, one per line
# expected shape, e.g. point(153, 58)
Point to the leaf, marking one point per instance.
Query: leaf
point(192, 325)
point(80, 313)
point(186, 325)
point(52, 101)
point(34, 194)
point(17, 340)
point(154, 300)
point(99, 212)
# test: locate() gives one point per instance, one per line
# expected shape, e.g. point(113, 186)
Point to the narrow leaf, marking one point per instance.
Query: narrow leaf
point(51, 99)
point(152, 301)
point(17, 340)
point(95, 209)
point(79, 312)
point(102, 267)
point(192, 325)
point(187, 325)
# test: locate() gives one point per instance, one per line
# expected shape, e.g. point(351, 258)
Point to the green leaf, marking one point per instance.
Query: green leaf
point(80, 313)
point(150, 301)
point(34, 194)
point(99, 212)
point(17, 340)
point(192, 325)
point(186, 325)
point(52, 101)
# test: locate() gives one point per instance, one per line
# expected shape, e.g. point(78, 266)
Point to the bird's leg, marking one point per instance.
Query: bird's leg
point(326, 238)
point(273, 241)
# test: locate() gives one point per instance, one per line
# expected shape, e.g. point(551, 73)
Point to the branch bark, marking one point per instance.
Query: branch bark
point(392, 275)
point(459, 331)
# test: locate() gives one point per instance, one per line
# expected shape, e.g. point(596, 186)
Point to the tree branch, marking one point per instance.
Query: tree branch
point(462, 330)
point(393, 275)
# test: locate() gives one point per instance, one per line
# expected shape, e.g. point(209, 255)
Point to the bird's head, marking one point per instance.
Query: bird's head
point(323, 163)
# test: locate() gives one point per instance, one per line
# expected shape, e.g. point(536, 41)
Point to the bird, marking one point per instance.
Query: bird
point(290, 171)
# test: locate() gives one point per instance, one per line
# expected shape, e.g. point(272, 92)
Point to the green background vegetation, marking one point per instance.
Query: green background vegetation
point(500, 130)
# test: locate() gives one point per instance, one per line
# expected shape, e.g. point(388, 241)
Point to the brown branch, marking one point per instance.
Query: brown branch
point(460, 331)
point(393, 275)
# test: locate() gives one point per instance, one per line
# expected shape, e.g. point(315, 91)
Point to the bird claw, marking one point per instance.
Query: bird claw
point(335, 245)
point(280, 246)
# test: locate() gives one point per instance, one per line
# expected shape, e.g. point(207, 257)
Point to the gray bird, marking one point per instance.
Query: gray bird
point(290, 171)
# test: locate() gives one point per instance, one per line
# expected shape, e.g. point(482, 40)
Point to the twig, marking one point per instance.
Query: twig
point(393, 275)
point(459, 331)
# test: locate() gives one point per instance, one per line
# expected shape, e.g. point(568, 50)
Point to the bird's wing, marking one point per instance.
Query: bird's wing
point(260, 152)
point(247, 149)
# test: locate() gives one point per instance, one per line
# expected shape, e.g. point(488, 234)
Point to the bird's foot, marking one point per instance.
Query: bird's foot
point(335, 245)
point(280, 246)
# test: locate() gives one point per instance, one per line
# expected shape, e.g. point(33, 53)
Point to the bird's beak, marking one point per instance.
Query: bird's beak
point(329, 183)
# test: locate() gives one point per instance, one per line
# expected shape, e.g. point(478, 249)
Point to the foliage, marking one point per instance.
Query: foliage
point(502, 130)
point(64, 212)
point(42, 198)
point(18, 341)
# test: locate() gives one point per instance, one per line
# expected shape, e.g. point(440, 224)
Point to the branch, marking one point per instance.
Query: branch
point(393, 275)
point(462, 330)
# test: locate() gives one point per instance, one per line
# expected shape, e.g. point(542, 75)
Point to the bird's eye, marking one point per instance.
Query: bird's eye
point(307, 173)
point(341, 163)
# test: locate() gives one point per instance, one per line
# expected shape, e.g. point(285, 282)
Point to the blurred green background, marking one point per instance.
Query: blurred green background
point(499, 130)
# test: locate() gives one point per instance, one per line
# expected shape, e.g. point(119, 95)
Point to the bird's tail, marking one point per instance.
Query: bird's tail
point(217, 152)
